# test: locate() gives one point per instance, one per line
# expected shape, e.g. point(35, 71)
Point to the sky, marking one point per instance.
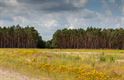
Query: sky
point(49, 15)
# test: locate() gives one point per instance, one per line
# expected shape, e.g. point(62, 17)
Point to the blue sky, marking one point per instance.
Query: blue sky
point(49, 15)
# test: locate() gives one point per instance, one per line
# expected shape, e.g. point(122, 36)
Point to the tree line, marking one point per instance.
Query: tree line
point(94, 38)
point(20, 37)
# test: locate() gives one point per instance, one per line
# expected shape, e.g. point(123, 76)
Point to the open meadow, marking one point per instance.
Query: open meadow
point(64, 64)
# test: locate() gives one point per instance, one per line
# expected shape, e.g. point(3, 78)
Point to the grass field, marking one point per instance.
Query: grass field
point(65, 64)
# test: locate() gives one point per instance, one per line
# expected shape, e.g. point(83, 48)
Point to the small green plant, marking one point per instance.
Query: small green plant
point(102, 57)
point(111, 58)
point(107, 58)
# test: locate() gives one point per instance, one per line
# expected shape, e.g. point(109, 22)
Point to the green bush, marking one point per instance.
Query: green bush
point(107, 58)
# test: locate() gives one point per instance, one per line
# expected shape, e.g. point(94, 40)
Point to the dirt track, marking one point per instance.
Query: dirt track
point(10, 75)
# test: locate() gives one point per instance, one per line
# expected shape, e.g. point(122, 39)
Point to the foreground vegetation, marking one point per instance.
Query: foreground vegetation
point(65, 64)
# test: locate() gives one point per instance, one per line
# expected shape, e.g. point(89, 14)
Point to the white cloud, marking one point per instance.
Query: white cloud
point(71, 27)
point(79, 3)
point(122, 10)
point(10, 3)
point(108, 13)
point(111, 1)
point(20, 19)
point(49, 23)
point(13, 2)
point(1, 23)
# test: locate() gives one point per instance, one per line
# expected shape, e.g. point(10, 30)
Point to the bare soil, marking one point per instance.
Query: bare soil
point(11, 75)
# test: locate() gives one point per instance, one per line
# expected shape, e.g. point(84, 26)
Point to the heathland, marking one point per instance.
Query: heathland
point(64, 64)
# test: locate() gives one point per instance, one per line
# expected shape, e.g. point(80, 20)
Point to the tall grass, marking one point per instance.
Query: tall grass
point(39, 63)
point(107, 58)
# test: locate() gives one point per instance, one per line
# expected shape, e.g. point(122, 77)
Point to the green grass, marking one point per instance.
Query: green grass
point(65, 64)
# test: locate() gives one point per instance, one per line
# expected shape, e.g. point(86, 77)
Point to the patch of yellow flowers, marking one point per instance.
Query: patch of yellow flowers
point(93, 75)
point(81, 72)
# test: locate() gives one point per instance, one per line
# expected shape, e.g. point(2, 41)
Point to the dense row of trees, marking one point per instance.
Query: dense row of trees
point(94, 38)
point(20, 37)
